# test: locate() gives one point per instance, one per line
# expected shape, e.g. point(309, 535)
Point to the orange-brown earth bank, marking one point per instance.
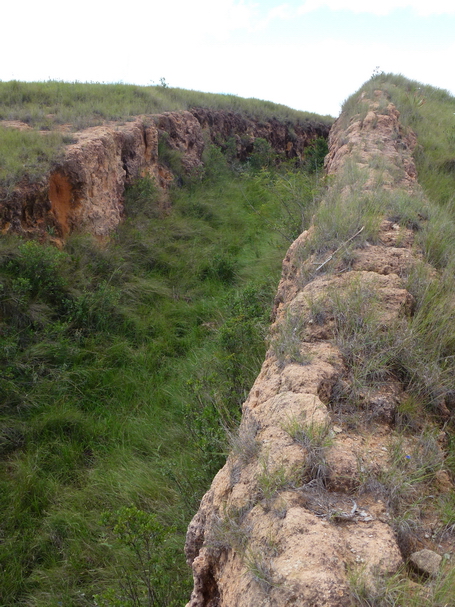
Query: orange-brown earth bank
point(85, 191)
point(315, 491)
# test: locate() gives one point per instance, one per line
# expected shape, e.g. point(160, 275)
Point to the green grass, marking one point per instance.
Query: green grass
point(400, 591)
point(122, 367)
point(48, 106)
point(28, 152)
point(82, 104)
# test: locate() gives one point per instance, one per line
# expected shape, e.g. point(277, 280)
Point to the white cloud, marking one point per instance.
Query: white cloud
point(423, 8)
point(283, 12)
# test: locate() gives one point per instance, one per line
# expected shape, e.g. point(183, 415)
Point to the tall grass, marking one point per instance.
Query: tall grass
point(28, 153)
point(45, 104)
point(122, 367)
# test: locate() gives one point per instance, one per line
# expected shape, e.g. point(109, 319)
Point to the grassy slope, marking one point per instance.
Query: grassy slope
point(121, 368)
point(45, 106)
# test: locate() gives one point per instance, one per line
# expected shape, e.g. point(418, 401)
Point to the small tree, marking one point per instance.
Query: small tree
point(263, 155)
point(142, 581)
point(315, 155)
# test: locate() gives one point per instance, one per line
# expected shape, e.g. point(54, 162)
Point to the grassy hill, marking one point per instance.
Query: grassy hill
point(47, 104)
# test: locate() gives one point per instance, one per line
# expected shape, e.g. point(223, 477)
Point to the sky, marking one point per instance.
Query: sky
point(307, 54)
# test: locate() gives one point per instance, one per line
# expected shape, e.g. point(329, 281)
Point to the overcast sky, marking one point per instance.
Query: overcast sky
point(307, 54)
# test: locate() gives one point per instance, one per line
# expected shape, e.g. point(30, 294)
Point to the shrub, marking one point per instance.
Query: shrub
point(262, 155)
point(145, 538)
point(315, 155)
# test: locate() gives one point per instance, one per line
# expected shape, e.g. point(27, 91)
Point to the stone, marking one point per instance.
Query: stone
point(443, 481)
point(426, 561)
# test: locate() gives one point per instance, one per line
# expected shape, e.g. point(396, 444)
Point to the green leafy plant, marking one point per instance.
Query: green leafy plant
point(262, 155)
point(145, 539)
point(315, 155)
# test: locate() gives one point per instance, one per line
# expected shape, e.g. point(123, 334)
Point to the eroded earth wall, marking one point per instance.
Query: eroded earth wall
point(298, 507)
point(84, 192)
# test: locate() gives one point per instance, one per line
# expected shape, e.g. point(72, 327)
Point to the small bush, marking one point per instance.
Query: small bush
point(315, 155)
point(262, 156)
point(315, 439)
point(243, 443)
point(145, 538)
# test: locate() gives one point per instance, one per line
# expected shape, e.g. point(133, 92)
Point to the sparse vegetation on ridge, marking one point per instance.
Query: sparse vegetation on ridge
point(430, 113)
point(418, 349)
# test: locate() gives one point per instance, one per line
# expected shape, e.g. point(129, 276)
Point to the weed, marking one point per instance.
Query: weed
point(261, 570)
point(375, 591)
point(145, 538)
point(287, 342)
point(398, 590)
point(244, 444)
point(315, 155)
point(406, 484)
point(315, 439)
point(447, 513)
point(409, 413)
point(271, 482)
point(141, 198)
point(262, 155)
point(229, 532)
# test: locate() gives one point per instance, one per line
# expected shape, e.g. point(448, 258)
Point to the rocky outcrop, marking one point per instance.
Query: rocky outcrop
point(85, 190)
point(230, 129)
point(298, 507)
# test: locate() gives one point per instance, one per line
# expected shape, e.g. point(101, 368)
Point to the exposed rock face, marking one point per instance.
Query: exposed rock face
point(286, 138)
point(85, 191)
point(280, 525)
point(387, 143)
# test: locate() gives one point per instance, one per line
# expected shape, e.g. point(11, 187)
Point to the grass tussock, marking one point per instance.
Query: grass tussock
point(399, 590)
